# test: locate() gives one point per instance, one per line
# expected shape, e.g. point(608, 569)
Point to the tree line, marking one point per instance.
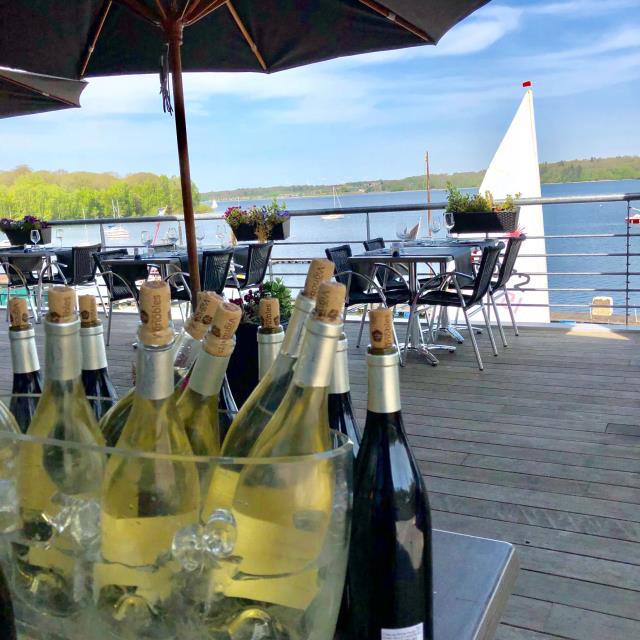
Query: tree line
point(62, 195)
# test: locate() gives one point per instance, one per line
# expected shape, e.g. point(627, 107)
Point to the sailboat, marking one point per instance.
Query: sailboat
point(514, 169)
point(115, 231)
point(337, 204)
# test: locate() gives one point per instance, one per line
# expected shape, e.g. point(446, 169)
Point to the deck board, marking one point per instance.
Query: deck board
point(542, 449)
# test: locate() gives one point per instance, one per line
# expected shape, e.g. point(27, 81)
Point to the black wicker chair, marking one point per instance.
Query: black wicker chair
point(21, 272)
point(362, 290)
point(251, 265)
point(435, 293)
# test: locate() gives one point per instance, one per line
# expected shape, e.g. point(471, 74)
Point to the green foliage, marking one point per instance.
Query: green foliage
point(59, 195)
point(250, 302)
point(458, 202)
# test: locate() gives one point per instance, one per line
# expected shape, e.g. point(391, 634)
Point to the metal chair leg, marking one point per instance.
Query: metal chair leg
point(489, 331)
point(109, 323)
point(104, 308)
point(364, 316)
point(513, 318)
point(473, 339)
point(499, 322)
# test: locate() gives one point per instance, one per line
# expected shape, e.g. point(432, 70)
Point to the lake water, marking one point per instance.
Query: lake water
point(574, 219)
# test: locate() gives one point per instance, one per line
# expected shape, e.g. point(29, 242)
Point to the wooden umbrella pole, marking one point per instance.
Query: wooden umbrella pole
point(175, 42)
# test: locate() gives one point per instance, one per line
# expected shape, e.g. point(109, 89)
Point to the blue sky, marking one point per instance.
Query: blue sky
point(371, 116)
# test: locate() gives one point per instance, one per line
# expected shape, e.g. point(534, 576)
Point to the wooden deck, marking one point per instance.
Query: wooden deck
point(542, 449)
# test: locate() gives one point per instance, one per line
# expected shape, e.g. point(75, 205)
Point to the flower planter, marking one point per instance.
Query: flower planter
point(483, 222)
point(21, 237)
point(247, 232)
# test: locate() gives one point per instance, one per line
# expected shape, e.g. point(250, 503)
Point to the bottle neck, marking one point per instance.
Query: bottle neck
point(384, 383)
point(295, 331)
point(154, 376)
point(24, 355)
point(185, 352)
point(94, 355)
point(208, 374)
point(269, 345)
point(340, 377)
point(63, 359)
point(315, 363)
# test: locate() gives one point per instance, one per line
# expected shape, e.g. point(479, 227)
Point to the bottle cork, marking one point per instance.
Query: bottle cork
point(199, 322)
point(62, 305)
point(330, 302)
point(220, 339)
point(88, 311)
point(320, 270)
point(155, 313)
point(381, 328)
point(18, 313)
point(269, 311)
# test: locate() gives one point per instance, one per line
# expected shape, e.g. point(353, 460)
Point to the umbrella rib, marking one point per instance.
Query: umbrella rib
point(161, 11)
point(252, 45)
point(141, 10)
point(202, 9)
point(399, 20)
point(103, 17)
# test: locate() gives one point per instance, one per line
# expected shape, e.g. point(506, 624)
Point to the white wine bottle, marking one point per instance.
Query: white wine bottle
point(270, 334)
point(27, 381)
point(9, 449)
point(198, 405)
point(146, 500)
point(59, 486)
point(267, 396)
point(187, 346)
point(95, 372)
point(283, 511)
point(390, 589)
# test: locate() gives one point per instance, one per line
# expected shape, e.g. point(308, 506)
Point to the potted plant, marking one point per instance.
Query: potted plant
point(477, 213)
point(242, 371)
point(19, 231)
point(270, 222)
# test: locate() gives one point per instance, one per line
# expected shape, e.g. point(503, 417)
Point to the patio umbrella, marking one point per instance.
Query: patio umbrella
point(24, 93)
point(78, 38)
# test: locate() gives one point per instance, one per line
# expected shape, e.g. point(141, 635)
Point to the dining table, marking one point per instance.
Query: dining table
point(438, 255)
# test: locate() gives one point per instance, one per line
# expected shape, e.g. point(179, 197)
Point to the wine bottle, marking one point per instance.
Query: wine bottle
point(146, 500)
point(27, 382)
point(228, 409)
point(59, 486)
point(267, 396)
point(9, 449)
point(7, 619)
point(270, 334)
point(187, 346)
point(198, 404)
point(390, 554)
point(283, 511)
point(95, 373)
point(341, 415)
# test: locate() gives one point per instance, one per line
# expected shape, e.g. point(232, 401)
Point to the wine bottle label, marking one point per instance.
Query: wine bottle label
point(208, 374)
point(63, 355)
point(297, 323)
point(315, 364)
point(154, 379)
point(138, 542)
point(384, 383)
point(24, 355)
point(269, 345)
point(340, 377)
point(94, 355)
point(407, 633)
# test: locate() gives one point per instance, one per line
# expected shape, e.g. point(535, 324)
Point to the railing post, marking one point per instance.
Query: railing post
point(103, 239)
point(368, 227)
point(627, 266)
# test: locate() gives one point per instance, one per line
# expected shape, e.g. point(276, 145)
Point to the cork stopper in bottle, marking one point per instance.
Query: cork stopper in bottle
point(155, 313)
point(88, 311)
point(320, 270)
point(269, 311)
point(18, 313)
point(199, 322)
point(330, 302)
point(381, 329)
point(62, 305)
point(220, 339)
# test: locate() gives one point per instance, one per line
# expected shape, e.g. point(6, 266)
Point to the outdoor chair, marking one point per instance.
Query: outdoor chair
point(362, 289)
point(22, 275)
point(436, 292)
point(119, 280)
point(251, 265)
point(386, 279)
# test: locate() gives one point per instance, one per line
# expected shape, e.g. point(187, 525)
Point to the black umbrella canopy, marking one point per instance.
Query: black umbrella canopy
point(78, 38)
point(24, 93)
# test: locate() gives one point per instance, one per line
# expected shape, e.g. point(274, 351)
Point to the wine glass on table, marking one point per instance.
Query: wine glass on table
point(35, 236)
point(402, 232)
point(172, 236)
point(59, 235)
point(145, 239)
point(220, 234)
point(435, 226)
point(200, 234)
point(449, 222)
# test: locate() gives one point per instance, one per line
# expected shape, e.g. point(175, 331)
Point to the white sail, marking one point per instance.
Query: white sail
point(514, 169)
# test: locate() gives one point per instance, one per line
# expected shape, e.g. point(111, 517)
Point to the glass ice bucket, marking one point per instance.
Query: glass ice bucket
point(178, 547)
